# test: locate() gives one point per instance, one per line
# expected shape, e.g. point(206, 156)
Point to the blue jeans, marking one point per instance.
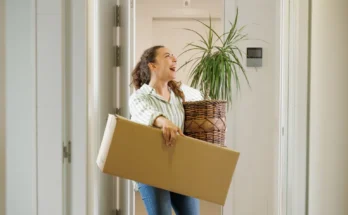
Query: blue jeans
point(160, 202)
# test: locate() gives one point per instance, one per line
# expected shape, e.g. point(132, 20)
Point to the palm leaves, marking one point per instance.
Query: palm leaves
point(212, 72)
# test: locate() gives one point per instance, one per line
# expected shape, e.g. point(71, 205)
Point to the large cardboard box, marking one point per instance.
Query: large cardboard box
point(191, 167)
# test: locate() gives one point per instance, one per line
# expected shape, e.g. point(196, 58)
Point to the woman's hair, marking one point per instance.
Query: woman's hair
point(142, 74)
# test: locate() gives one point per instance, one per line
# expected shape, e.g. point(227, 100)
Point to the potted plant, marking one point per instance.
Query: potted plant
point(215, 72)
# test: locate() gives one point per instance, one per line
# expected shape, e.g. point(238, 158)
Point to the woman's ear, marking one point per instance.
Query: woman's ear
point(152, 66)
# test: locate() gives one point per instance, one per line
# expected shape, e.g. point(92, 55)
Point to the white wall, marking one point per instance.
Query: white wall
point(167, 8)
point(20, 108)
point(328, 172)
point(254, 120)
point(2, 106)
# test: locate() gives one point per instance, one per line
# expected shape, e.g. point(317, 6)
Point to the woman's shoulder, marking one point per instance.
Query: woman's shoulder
point(138, 95)
point(191, 94)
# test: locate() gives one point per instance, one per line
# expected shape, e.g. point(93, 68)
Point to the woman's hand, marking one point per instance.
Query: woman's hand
point(169, 130)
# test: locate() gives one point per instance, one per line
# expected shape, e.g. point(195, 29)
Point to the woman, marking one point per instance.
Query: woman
point(157, 102)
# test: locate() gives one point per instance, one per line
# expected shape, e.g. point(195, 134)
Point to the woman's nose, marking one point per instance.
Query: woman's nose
point(174, 58)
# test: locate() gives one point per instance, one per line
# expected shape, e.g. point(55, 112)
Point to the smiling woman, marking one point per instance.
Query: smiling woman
point(162, 64)
point(158, 97)
point(157, 102)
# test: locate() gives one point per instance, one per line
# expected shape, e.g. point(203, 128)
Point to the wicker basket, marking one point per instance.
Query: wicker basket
point(206, 120)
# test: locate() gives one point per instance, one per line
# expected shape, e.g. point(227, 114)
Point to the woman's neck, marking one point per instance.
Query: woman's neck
point(160, 87)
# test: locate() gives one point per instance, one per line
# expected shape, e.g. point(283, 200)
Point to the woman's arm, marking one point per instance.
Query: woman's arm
point(191, 94)
point(170, 131)
point(143, 112)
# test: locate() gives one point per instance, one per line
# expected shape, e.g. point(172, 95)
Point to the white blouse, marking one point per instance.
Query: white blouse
point(146, 105)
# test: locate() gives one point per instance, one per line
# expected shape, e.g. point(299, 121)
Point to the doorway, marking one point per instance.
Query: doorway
point(254, 121)
point(161, 22)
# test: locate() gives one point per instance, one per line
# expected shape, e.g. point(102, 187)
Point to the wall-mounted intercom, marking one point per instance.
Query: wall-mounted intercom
point(254, 57)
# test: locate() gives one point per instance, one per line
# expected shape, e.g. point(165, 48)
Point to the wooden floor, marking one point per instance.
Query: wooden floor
point(207, 208)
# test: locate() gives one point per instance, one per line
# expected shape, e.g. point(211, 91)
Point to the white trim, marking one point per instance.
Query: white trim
point(294, 110)
point(65, 18)
point(92, 180)
point(78, 106)
point(291, 102)
point(283, 113)
point(2, 109)
point(133, 22)
point(35, 148)
point(294, 79)
point(298, 110)
point(93, 119)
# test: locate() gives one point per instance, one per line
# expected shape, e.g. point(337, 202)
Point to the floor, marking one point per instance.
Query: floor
point(207, 208)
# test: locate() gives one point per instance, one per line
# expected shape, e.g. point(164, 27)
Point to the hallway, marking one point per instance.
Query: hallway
point(65, 65)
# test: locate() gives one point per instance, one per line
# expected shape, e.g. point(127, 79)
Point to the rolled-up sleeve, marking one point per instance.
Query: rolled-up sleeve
point(191, 94)
point(142, 110)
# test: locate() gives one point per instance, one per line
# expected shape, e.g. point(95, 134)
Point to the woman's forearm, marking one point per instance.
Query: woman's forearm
point(159, 121)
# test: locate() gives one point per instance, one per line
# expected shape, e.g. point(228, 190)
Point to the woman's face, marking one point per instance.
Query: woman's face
point(164, 68)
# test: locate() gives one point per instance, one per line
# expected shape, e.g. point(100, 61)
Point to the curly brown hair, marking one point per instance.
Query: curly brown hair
point(142, 75)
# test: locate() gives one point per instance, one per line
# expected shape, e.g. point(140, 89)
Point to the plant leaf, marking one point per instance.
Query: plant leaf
point(204, 41)
point(211, 30)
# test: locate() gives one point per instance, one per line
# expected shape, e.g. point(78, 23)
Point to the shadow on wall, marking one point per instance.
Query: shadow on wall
point(2, 107)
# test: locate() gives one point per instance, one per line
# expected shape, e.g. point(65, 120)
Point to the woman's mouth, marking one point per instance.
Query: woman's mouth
point(172, 68)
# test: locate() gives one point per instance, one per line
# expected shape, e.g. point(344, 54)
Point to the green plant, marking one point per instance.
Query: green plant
point(219, 62)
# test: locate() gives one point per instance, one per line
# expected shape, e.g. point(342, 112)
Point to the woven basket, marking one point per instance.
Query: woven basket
point(206, 120)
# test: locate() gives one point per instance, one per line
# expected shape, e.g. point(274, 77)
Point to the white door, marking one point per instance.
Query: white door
point(108, 91)
point(126, 61)
point(100, 100)
point(51, 101)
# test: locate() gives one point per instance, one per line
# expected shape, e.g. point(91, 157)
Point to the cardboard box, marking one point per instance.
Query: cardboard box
point(192, 167)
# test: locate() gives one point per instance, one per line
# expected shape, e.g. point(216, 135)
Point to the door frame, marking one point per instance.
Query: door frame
point(297, 80)
point(190, 13)
point(293, 177)
point(284, 112)
point(76, 66)
point(2, 109)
